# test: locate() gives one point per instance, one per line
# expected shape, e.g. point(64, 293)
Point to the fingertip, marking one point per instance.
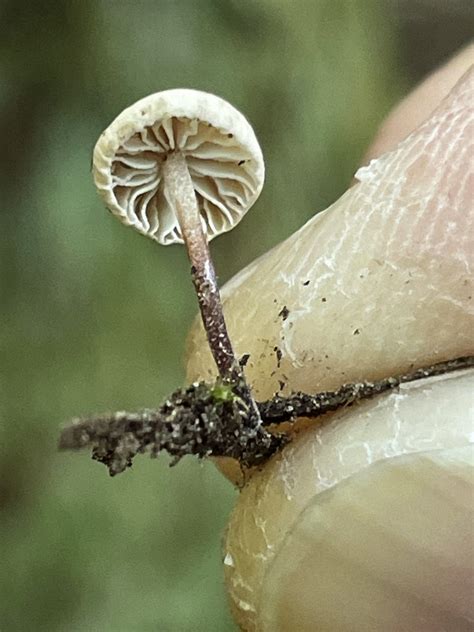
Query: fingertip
point(414, 109)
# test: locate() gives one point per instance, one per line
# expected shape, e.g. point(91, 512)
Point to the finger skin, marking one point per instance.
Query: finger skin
point(378, 283)
point(364, 523)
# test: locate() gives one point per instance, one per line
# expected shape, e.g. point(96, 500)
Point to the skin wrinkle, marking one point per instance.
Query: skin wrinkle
point(464, 192)
point(402, 232)
point(339, 241)
point(466, 187)
point(458, 150)
point(438, 194)
point(418, 223)
point(432, 149)
point(389, 196)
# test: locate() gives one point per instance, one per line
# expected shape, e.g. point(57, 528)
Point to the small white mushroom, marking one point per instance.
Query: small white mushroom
point(183, 166)
point(138, 157)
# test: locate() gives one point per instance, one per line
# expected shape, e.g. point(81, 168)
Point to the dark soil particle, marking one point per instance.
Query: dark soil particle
point(279, 355)
point(244, 359)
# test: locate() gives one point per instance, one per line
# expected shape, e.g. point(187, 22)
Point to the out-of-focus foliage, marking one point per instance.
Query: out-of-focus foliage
point(94, 317)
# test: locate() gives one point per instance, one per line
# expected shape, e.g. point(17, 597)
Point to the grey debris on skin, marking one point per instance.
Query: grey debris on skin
point(213, 420)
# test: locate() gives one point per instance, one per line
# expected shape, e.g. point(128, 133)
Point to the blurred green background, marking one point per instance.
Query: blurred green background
point(94, 317)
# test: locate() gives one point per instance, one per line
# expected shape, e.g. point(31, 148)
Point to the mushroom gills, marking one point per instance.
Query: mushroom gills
point(222, 184)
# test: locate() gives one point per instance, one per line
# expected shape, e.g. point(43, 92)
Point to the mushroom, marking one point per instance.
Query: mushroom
point(183, 166)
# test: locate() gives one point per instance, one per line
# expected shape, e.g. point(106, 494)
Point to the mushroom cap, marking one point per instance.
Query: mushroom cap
point(223, 156)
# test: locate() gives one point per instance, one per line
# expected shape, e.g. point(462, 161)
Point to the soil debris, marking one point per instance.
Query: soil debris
point(213, 420)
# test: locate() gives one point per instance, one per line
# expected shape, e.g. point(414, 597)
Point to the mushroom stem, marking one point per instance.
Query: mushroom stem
point(180, 191)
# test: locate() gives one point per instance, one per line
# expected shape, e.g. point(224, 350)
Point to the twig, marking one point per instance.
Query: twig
point(282, 409)
point(206, 420)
